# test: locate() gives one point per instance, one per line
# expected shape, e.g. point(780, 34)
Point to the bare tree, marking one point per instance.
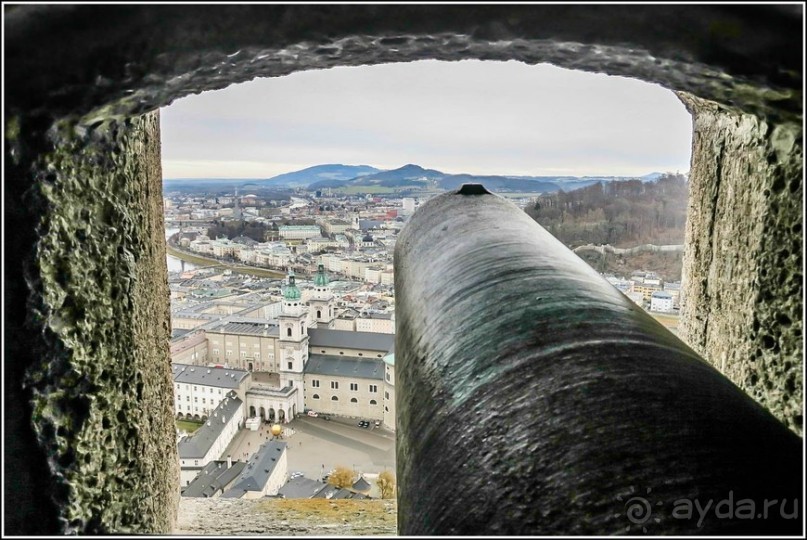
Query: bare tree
point(386, 483)
point(342, 477)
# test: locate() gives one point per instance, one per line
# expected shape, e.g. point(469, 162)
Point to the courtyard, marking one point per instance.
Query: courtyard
point(315, 446)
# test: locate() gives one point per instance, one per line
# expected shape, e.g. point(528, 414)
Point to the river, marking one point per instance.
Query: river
point(174, 264)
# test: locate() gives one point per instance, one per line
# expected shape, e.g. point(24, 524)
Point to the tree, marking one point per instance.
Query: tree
point(386, 483)
point(342, 477)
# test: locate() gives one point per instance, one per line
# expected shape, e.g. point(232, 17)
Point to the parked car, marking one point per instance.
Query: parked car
point(296, 474)
point(313, 414)
point(363, 424)
point(378, 423)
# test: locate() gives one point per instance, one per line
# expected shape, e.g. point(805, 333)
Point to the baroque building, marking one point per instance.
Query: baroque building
point(298, 361)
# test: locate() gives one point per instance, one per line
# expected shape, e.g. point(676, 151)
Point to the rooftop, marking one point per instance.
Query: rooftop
point(340, 366)
point(218, 377)
point(187, 342)
point(198, 445)
point(345, 339)
point(247, 328)
point(214, 477)
point(258, 469)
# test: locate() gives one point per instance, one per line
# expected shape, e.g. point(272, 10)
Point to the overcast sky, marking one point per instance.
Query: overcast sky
point(472, 116)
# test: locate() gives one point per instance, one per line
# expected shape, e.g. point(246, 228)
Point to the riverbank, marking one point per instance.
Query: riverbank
point(205, 261)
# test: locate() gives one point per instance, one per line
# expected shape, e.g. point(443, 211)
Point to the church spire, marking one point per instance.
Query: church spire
point(321, 279)
point(291, 292)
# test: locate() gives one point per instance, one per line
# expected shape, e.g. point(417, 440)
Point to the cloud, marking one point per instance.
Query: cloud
point(470, 116)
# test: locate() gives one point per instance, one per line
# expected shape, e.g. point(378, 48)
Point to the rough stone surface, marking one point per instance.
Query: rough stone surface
point(85, 262)
point(290, 517)
point(145, 57)
point(743, 284)
point(102, 405)
point(534, 398)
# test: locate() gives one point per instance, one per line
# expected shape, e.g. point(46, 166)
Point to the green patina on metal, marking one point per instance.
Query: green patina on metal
point(291, 292)
point(321, 279)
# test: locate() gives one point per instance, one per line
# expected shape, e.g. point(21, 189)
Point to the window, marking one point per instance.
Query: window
point(319, 314)
point(288, 331)
point(215, 352)
point(334, 398)
point(257, 356)
point(315, 383)
point(315, 396)
point(323, 352)
point(340, 352)
point(291, 365)
point(360, 354)
point(378, 355)
point(373, 388)
point(204, 400)
point(229, 354)
point(354, 400)
point(243, 354)
point(386, 395)
point(373, 402)
point(386, 409)
point(196, 400)
point(354, 387)
point(187, 398)
point(334, 385)
point(195, 389)
point(387, 376)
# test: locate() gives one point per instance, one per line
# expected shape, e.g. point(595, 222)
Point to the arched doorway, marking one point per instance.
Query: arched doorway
point(251, 411)
point(249, 366)
point(281, 415)
point(271, 416)
point(263, 414)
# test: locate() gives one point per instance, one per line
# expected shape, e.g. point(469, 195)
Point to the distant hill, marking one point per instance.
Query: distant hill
point(319, 173)
point(415, 176)
point(622, 214)
point(412, 176)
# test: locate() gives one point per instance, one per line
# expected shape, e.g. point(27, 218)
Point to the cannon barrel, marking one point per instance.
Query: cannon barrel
point(535, 398)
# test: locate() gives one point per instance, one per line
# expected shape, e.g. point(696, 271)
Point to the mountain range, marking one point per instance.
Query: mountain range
point(410, 176)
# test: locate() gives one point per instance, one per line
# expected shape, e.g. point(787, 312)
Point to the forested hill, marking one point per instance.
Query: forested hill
point(622, 214)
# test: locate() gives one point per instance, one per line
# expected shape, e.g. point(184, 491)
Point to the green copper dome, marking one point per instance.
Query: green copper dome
point(291, 292)
point(321, 279)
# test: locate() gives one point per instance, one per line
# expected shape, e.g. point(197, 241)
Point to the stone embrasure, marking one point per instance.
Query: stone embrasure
point(103, 394)
point(742, 288)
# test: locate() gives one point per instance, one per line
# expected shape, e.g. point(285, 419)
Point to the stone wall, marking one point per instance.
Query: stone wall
point(101, 389)
point(286, 517)
point(742, 285)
